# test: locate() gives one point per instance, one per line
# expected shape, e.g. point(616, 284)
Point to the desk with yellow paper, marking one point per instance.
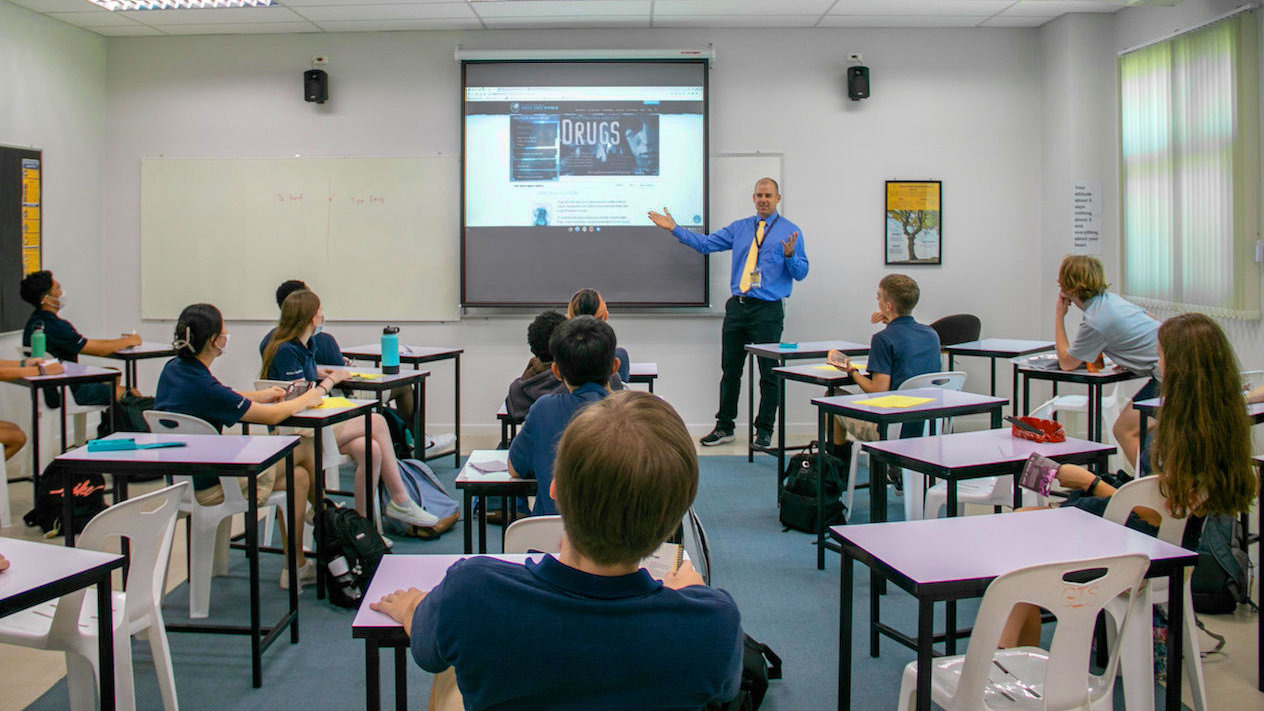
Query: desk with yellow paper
point(333, 403)
point(359, 375)
point(860, 363)
point(893, 401)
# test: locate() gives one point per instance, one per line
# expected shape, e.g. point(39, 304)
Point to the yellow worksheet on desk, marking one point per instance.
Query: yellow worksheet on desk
point(894, 401)
point(366, 376)
point(330, 403)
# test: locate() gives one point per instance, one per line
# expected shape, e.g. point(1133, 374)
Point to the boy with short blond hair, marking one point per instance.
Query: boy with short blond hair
point(589, 628)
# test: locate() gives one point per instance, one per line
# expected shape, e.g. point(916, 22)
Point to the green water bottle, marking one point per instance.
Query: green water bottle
point(38, 348)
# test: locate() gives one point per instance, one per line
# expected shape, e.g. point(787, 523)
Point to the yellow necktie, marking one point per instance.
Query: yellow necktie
point(751, 257)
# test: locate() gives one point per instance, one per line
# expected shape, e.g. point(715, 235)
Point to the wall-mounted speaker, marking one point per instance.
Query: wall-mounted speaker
point(858, 82)
point(316, 86)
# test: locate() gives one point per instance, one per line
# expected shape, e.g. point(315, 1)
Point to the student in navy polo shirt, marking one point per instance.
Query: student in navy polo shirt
point(63, 342)
point(324, 345)
point(588, 628)
point(588, 302)
point(187, 386)
point(290, 354)
point(583, 357)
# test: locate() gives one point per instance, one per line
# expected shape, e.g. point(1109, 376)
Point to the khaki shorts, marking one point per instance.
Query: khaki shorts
point(215, 495)
point(861, 430)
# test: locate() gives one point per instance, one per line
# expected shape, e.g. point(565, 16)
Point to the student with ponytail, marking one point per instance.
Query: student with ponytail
point(588, 302)
point(290, 355)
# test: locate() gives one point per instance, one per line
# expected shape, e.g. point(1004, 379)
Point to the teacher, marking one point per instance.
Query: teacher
point(771, 259)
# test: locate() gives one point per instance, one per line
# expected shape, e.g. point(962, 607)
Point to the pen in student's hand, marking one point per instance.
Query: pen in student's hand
point(680, 558)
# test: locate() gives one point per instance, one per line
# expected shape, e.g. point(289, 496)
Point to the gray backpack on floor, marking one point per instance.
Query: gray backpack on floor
point(425, 489)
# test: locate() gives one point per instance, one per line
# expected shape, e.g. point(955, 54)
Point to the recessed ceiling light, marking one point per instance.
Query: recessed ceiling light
point(119, 5)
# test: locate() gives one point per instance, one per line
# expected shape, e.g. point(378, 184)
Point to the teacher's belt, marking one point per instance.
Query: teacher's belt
point(751, 301)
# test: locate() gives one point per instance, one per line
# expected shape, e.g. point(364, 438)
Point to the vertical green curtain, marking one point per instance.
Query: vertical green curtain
point(1189, 139)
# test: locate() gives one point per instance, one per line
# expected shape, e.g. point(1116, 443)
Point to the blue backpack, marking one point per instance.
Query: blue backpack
point(427, 491)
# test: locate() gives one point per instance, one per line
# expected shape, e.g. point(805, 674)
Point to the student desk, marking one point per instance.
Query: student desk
point(378, 630)
point(993, 348)
point(75, 374)
point(822, 374)
point(40, 572)
point(416, 355)
point(779, 353)
point(1094, 381)
point(317, 419)
point(131, 354)
point(943, 403)
point(941, 560)
point(219, 455)
point(415, 379)
point(508, 426)
point(645, 373)
point(473, 483)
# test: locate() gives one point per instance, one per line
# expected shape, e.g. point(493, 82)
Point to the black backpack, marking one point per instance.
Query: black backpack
point(759, 664)
point(87, 493)
point(1219, 581)
point(350, 536)
point(798, 499)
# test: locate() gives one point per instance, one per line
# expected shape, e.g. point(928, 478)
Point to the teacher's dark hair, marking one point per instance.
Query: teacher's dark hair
point(288, 287)
point(197, 325)
point(35, 287)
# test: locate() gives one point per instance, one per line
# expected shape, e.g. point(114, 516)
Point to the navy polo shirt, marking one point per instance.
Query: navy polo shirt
point(293, 361)
point(323, 345)
point(901, 350)
point(187, 387)
point(563, 639)
point(60, 338)
point(533, 450)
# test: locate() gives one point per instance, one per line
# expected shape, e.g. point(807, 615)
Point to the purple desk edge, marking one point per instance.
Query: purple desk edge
point(416, 355)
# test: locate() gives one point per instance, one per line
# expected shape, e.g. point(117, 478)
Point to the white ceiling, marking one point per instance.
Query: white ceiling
point(387, 15)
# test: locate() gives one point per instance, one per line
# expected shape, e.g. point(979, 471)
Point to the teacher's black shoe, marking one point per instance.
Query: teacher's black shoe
point(763, 440)
point(717, 436)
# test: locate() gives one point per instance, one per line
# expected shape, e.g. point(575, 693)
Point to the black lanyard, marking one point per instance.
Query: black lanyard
point(759, 243)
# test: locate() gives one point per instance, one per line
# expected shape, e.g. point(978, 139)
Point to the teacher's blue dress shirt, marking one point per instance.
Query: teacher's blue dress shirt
point(778, 272)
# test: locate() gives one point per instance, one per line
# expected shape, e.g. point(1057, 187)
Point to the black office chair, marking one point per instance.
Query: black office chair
point(958, 328)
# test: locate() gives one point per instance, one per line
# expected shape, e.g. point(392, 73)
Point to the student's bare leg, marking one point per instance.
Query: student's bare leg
point(1127, 430)
point(302, 489)
point(404, 402)
point(12, 438)
point(1022, 629)
point(381, 460)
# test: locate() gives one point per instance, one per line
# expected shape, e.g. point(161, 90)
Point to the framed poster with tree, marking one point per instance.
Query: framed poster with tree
point(914, 222)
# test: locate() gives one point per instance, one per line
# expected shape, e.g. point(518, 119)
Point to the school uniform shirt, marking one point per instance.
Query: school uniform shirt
point(532, 451)
point(778, 272)
point(61, 339)
point(562, 639)
point(1120, 329)
point(294, 361)
point(187, 387)
point(324, 346)
point(903, 349)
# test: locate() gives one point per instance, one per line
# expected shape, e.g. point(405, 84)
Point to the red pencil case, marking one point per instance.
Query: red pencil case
point(1050, 431)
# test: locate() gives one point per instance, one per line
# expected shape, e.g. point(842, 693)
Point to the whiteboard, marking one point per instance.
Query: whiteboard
point(733, 177)
point(376, 238)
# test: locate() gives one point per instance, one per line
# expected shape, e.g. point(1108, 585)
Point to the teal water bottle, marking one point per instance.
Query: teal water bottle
point(38, 342)
point(390, 350)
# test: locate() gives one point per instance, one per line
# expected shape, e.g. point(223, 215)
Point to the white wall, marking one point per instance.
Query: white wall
point(960, 105)
point(52, 78)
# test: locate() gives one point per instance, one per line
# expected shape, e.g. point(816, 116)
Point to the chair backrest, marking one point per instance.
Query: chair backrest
point(1252, 379)
point(163, 422)
point(1075, 605)
point(694, 539)
point(1144, 492)
point(23, 351)
point(148, 523)
point(534, 533)
point(958, 328)
point(947, 379)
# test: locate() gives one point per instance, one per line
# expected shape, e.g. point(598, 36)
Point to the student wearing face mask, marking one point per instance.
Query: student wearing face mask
point(290, 355)
point(63, 342)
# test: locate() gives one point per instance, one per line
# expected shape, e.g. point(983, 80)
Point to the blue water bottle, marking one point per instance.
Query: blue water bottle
point(390, 350)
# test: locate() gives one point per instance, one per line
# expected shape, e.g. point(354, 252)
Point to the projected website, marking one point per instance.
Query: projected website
point(583, 157)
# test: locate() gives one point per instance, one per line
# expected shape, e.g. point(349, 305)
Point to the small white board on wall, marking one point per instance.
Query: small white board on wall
point(376, 238)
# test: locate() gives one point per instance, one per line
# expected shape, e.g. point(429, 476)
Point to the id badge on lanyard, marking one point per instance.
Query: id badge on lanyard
point(757, 276)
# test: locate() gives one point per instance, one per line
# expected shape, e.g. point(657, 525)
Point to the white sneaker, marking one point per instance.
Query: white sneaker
point(389, 543)
point(440, 444)
point(306, 575)
point(409, 512)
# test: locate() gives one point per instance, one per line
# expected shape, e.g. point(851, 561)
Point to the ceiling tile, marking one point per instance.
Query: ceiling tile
point(933, 8)
point(569, 22)
point(562, 10)
point(356, 3)
point(229, 28)
point(221, 16)
point(1054, 8)
point(737, 8)
point(1017, 21)
point(737, 21)
point(105, 18)
point(387, 12)
point(397, 25)
point(55, 5)
point(903, 20)
point(136, 30)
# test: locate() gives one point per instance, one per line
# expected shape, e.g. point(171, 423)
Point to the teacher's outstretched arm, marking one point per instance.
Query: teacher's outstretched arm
point(717, 241)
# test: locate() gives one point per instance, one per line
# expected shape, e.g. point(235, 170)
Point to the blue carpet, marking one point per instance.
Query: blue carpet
point(785, 602)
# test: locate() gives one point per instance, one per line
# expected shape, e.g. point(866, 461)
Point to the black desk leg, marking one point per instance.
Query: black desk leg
point(456, 413)
point(372, 676)
point(993, 379)
point(295, 542)
point(35, 440)
point(467, 524)
point(1013, 393)
point(318, 489)
point(370, 486)
point(844, 634)
point(781, 427)
point(401, 679)
point(482, 525)
point(1026, 395)
point(1175, 636)
point(821, 419)
point(750, 407)
point(62, 411)
point(509, 514)
point(67, 517)
point(1094, 412)
point(950, 608)
point(105, 642)
point(252, 556)
point(925, 635)
point(878, 502)
point(419, 420)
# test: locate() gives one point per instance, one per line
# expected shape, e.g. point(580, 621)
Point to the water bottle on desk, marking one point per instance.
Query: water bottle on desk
point(39, 343)
point(390, 350)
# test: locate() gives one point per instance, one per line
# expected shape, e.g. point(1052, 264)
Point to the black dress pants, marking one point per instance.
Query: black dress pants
point(746, 321)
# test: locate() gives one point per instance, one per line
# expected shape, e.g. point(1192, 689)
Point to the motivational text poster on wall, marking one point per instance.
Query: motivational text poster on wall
point(914, 222)
point(1086, 217)
point(30, 215)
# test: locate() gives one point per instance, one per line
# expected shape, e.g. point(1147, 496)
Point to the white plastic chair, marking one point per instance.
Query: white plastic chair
point(1029, 677)
point(534, 533)
point(989, 491)
point(50, 423)
point(209, 526)
point(1111, 405)
point(70, 624)
point(1137, 644)
point(913, 483)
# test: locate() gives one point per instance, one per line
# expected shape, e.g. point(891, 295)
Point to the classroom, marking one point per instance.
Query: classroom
point(1012, 106)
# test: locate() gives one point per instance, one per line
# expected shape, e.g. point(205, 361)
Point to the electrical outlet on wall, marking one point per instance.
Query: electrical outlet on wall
point(854, 57)
point(320, 60)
